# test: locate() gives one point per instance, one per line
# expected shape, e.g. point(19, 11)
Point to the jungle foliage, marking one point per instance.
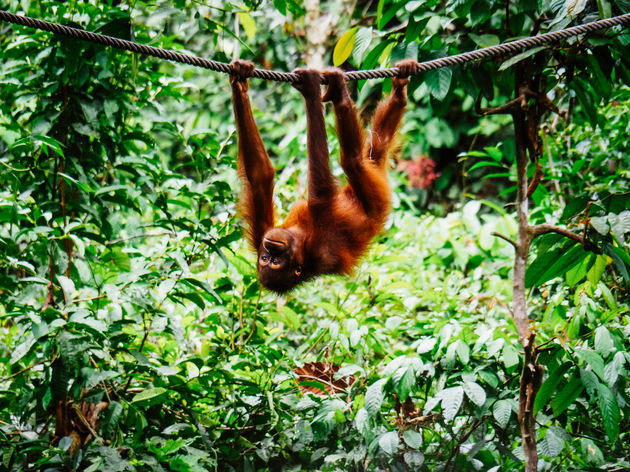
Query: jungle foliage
point(135, 336)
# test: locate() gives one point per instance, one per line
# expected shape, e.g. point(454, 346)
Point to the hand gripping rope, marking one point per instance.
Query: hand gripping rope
point(511, 47)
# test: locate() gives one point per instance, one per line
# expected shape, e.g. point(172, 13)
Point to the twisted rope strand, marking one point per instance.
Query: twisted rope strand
point(485, 53)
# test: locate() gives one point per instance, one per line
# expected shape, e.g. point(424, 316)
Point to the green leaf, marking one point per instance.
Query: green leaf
point(291, 317)
point(549, 386)
point(151, 395)
point(519, 57)
point(249, 25)
point(462, 350)
point(485, 40)
point(389, 442)
point(281, 6)
point(414, 459)
point(603, 341)
point(374, 396)
point(552, 444)
point(379, 12)
point(361, 44)
point(67, 286)
point(578, 272)
point(362, 422)
point(509, 356)
point(610, 411)
point(65, 443)
point(543, 261)
point(589, 379)
point(584, 92)
point(552, 264)
point(344, 46)
point(603, 6)
point(590, 452)
point(593, 359)
point(384, 15)
point(595, 273)
point(480, 164)
point(600, 224)
point(96, 377)
point(610, 373)
point(475, 393)
point(451, 401)
point(412, 438)
point(110, 418)
point(502, 410)
point(242, 265)
point(406, 384)
point(47, 142)
point(620, 259)
point(439, 82)
point(619, 225)
point(191, 296)
point(565, 398)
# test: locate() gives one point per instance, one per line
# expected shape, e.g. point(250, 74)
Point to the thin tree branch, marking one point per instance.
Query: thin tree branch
point(25, 369)
point(547, 228)
point(505, 238)
point(504, 109)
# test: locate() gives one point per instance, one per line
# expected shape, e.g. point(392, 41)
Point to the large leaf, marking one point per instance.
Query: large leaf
point(502, 411)
point(413, 439)
point(374, 396)
point(553, 443)
point(451, 401)
point(439, 82)
point(389, 442)
point(150, 396)
point(603, 341)
point(609, 409)
point(554, 264)
point(474, 391)
point(406, 383)
point(565, 397)
point(593, 359)
point(344, 46)
point(361, 44)
point(549, 386)
point(249, 25)
point(519, 57)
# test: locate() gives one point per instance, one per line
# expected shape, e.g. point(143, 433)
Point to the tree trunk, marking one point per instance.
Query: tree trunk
point(531, 375)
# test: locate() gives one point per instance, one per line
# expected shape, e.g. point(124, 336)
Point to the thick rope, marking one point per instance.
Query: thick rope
point(485, 53)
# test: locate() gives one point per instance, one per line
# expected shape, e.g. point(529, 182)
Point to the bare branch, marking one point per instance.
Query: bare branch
point(505, 109)
point(547, 228)
point(505, 238)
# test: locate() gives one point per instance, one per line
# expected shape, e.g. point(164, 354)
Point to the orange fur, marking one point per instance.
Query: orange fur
point(330, 231)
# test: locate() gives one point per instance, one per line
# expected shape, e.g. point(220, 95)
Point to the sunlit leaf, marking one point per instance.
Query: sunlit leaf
point(374, 396)
point(475, 393)
point(412, 438)
point(249, 25)
point(451, 401)
point(389, 442)
point(344, 46)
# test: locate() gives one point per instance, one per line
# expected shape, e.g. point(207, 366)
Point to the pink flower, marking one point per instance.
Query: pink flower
point(420, 171)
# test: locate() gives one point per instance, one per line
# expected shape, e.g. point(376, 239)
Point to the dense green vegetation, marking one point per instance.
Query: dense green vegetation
point(135, 336)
